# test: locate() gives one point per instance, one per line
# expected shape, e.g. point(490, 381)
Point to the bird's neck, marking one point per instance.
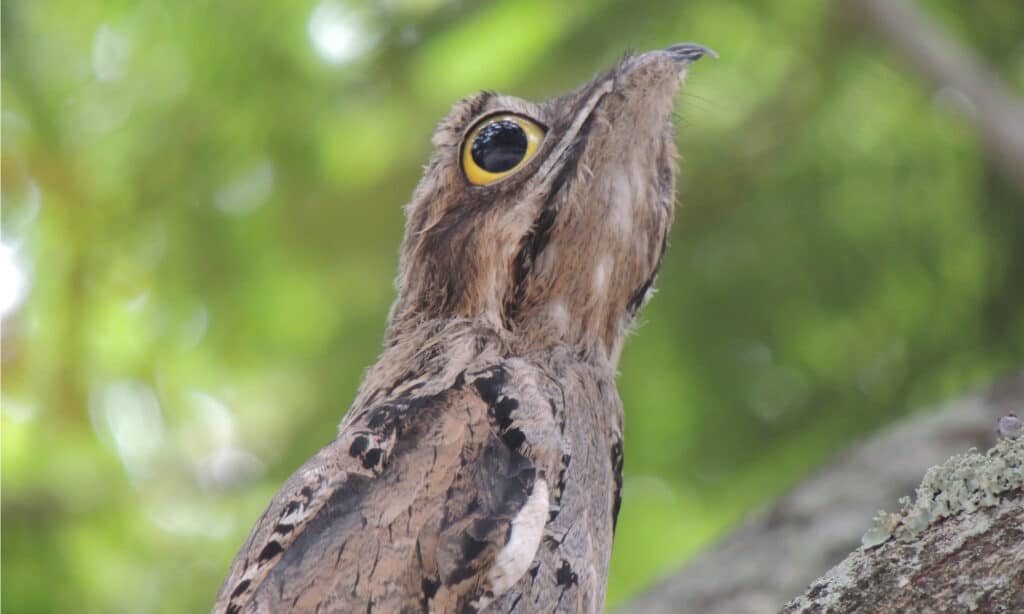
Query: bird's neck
point(428, 356)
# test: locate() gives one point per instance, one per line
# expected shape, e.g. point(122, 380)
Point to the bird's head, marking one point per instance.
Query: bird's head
point(547, 221)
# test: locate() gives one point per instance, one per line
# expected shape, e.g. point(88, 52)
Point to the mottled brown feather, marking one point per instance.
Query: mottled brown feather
point(480, 464)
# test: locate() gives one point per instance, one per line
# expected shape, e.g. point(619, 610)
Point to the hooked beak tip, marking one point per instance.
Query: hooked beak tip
point(690, 52)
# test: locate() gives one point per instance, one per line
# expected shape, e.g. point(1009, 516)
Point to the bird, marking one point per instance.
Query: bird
point(479, 468)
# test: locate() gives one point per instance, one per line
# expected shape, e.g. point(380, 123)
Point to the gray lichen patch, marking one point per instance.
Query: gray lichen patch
point(963, 484)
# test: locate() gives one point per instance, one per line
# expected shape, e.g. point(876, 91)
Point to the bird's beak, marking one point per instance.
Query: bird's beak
point(688, 53)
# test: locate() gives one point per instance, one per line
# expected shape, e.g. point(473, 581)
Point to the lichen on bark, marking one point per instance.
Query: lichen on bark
point(963, 483)
point(958, 547)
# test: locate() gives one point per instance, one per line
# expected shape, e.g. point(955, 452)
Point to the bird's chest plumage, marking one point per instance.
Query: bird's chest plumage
point(570, 416)
point(483, 483)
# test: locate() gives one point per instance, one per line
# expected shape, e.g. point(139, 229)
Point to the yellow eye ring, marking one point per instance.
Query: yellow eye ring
point(498, 146)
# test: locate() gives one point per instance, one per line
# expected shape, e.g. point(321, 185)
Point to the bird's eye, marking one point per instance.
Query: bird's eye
point(498, 146)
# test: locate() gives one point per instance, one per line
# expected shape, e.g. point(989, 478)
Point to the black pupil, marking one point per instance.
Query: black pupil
point(499, 146)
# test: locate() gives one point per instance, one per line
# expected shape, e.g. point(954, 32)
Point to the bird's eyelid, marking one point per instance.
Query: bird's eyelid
point(491, 114)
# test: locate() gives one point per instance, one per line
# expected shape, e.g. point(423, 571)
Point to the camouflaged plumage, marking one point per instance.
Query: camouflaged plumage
point(479, 468)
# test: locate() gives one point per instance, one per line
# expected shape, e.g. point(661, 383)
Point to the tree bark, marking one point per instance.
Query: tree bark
point(958, 548)
point(780, 551)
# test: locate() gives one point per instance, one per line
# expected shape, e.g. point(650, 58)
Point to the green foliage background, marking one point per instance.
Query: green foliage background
point(206, 211)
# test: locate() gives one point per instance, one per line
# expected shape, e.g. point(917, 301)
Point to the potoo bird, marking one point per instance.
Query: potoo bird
point(480, 466)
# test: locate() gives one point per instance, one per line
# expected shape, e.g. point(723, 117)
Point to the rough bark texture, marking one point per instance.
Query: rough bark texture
point(781, 550)
point(959, 547)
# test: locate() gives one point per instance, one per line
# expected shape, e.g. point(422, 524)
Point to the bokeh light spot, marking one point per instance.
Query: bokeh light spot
point(129, 411)
point(13, 281)
point(111, 51)
point(338, 34)
point(247, 192)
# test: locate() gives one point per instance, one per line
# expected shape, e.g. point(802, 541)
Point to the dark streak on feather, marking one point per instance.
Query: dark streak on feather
point(272, 549)
point(489, 386)
point(565, 576)
point(617, 462)
point(244, 584)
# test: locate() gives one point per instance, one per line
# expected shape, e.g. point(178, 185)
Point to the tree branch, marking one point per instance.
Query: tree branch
point(780, 551)
point(958, 547)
